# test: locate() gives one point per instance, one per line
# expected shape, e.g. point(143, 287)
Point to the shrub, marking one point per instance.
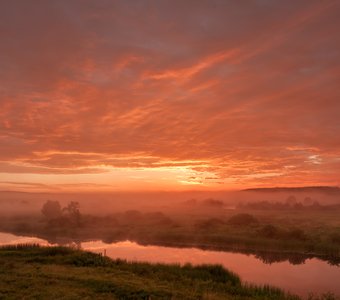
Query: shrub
point(296, 234)
point(243, 220)
point(335, 238)
point(269, 231)
point(209, 224)
point(213, 203)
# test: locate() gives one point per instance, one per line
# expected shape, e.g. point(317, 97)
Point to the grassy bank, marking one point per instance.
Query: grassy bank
point(32, 272)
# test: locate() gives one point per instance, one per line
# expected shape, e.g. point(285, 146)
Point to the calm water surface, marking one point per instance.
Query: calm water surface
point(314, 275)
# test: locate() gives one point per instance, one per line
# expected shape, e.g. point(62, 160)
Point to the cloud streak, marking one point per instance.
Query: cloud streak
point(212, 94)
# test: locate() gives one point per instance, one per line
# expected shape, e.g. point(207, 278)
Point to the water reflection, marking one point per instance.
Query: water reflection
point(313, 275)
point(268, 257)
point(11, 239)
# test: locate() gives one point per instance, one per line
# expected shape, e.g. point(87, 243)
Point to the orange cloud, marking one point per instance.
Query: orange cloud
point(211, 95)
point(188, 72)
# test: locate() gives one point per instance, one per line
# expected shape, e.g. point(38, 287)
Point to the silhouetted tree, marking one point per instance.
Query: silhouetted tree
point(51, 209)
point(73, 212)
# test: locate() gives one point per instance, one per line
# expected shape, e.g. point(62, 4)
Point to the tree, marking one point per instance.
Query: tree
point(72, 210)
point(51, 209)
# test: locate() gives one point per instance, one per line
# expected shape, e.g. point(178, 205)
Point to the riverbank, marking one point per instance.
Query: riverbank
point(57, 272)
point(272, 236)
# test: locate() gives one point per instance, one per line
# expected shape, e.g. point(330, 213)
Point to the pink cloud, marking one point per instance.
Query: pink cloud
point(241, 93)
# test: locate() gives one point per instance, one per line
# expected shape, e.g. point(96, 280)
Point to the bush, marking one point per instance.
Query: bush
point(335, 238)
point(209, 224)
point(270, 231)
point(243, 220)
point(296, 234)
point(213, 203)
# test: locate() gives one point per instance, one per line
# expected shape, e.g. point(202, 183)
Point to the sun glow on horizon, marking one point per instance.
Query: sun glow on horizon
point(102, 97)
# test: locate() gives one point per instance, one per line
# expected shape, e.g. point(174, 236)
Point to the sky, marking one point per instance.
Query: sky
point(169, 94)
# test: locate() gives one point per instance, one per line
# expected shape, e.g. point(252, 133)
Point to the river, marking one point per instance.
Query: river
point(314, 275)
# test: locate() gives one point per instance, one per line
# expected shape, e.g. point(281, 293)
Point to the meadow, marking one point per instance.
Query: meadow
point(272, 231)
point(34, 272)
point(273, 235)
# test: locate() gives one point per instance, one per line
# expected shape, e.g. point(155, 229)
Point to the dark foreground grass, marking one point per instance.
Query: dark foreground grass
point(33, 272)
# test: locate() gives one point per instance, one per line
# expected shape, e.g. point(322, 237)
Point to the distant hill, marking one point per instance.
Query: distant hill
point(329, 190)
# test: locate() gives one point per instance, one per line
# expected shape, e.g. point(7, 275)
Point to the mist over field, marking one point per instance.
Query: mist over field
point(13, 203)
